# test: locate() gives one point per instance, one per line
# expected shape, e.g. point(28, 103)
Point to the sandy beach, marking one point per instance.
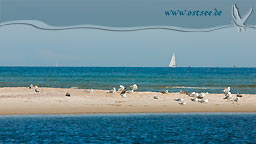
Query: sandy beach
point(22, 100)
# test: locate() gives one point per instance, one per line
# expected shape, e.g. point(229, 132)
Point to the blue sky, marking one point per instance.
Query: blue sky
point(27, 46)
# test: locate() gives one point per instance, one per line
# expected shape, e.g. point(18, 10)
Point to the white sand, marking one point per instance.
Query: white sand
point(20, 100)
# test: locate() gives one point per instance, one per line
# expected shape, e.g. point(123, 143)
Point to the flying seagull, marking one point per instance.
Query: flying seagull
point(237, 20)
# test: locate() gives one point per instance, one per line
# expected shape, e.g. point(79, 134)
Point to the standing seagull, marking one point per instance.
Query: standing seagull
point(228, 95)
point(238, 21)
point(164, 92)
point(30, 86)
point(36, 88)
point(226, 90)
point(121, 88)
point(113, 90)
point(123, 93)
point(134, 87)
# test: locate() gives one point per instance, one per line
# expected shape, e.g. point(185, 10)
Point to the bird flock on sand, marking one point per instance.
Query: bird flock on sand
point(121, 89)
point(194, 96)
point(228, 95)
point(201, 97)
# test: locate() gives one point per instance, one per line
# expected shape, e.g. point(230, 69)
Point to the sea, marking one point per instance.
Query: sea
point(131, 128)
point(214, 128)
point(198, 79)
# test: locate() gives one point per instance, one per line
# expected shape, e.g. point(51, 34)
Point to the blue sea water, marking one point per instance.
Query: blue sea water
point(129, 128)
point(242, 80)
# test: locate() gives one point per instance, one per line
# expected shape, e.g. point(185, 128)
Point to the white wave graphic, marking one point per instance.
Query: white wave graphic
point(43, 26)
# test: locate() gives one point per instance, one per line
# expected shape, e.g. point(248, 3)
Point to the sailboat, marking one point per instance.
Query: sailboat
point(172, 62)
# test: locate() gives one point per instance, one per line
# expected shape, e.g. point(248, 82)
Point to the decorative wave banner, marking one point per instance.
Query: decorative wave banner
point(145, 14)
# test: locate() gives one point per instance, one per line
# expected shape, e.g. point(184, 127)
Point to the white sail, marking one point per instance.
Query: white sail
point(172, 62)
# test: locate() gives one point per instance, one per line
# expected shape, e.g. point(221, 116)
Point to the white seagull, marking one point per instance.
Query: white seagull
point(226, 90)
point(134, 87)
point(113, 90)
point(179, 99)
point(204, 101)
point(36, 88)
point(228, 95)
point(90, 91)
point(236, 99)
point(30, 86)
point(164, 92)
point(193, 94)
point(237, 20)
point(121, 88)
point(130, 91)
point(183, 103)
point(123, 93)
point(195, 99)
point(201, 95)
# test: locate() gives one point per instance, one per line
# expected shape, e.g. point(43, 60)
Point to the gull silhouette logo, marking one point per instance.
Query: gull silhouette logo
point(237, 20)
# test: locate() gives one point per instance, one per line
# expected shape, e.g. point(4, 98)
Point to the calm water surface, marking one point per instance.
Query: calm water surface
point(242, 80)
point(129, 128)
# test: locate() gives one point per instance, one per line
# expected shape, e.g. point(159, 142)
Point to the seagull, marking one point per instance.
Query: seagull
point(123, 93)
point(155, 97)
point(121, 88)
point(130, 91)
point(194, 94)
point(236, 99)
point(195, 99)
point(204, 101)
point(36, 88)
point(239, 95)
point(134, 87)
point(182, 103)
point(228, 95)
point(201, 95)
point(164, 92)
point(113, 90)
point(237, 20)
point(30, 86)
point(68, 94)
point(90, 91)
point(179, 99)
point(226, 90)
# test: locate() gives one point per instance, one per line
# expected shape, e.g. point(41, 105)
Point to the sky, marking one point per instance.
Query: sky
point(23, 45)
point(26, 46)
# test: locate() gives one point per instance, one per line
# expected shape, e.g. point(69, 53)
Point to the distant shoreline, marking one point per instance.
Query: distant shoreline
point(51, 101)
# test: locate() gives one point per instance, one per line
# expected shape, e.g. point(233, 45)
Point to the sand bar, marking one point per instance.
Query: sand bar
point(21, 100)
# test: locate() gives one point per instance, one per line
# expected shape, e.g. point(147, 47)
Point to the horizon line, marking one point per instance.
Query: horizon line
point(144, 66)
